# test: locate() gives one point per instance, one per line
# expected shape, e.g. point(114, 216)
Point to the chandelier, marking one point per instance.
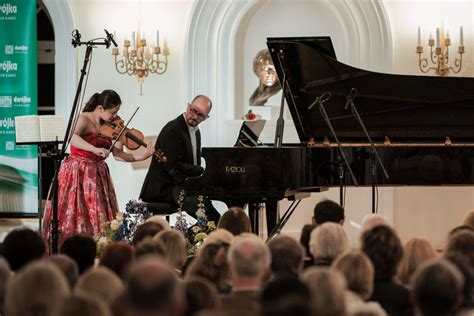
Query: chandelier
point(139, 59)
point(439, 53)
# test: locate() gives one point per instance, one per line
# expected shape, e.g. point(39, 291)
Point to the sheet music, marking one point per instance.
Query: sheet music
point(27, 129)
point(51, 128)
point(39, 128)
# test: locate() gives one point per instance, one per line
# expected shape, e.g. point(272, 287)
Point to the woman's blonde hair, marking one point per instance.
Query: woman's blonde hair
point(175, 247)
point(416, 251)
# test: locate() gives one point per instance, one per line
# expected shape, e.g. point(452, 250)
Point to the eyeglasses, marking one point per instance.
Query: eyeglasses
point(196, 113)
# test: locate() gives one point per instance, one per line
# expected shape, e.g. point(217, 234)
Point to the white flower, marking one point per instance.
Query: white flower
point(114, 224)
point(102, 240)
point(119, 216)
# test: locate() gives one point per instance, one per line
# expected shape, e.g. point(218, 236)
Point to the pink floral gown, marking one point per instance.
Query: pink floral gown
point(86, 194)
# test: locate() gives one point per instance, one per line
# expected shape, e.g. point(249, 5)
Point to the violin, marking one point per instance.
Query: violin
point(130, 137)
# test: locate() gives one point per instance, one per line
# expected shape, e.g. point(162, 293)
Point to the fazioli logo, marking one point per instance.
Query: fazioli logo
point(234, 169)
point(8, 66)
point(7, 9)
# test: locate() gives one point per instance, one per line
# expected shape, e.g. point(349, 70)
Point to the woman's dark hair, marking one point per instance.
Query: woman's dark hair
point(235, 221)
point(107, 98)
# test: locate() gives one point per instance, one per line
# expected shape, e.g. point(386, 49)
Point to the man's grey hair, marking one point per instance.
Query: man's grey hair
point(249, 256)
point(328, 240)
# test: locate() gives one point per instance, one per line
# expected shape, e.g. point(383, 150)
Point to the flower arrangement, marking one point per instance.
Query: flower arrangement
point(198, 232)
point(123, 226)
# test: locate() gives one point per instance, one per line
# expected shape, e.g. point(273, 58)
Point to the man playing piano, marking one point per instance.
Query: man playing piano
point(180, 139)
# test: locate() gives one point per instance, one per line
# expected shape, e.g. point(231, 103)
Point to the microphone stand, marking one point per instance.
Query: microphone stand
point(325, 116)
point(59, 156)
point(375, 156)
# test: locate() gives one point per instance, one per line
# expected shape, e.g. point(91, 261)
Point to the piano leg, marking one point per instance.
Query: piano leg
point(271, 209)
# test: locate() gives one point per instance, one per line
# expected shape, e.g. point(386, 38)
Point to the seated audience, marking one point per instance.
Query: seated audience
point(81, 249)
point(211, 263)
point(437, 288)
point(22, 246)
point(328, 211)
point(37, 289)
point(327, 291)
point(358, 272)
point(304, 241)
point(200, 295)
point(249, 261)
point(175, 248)
point(152, 289)
point(147, 229)
point(235, 221)
point(101, 282)
point(82, 305)
point(383, 247)
point(328, 241)
point(462, 263)
point(117, 256)
point(287, 255)
point(415, 252)
point(68, 267)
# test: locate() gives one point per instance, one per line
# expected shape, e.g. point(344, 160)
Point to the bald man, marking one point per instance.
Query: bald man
point(180, 140)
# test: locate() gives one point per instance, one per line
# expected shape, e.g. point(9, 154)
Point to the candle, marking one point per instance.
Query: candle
point(157, 38)
point(437, 38)
point(133, 40)
point(461, 37)
point(419, 36)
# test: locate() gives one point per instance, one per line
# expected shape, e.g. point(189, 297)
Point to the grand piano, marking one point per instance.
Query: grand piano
point(422, 128)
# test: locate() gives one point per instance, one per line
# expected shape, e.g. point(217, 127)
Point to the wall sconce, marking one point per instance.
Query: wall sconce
point(139, 59)
point(439, 53)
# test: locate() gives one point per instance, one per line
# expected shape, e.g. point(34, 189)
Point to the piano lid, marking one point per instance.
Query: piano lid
point(401, 107)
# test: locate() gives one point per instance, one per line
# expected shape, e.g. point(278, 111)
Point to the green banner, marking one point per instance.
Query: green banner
point(18, 96)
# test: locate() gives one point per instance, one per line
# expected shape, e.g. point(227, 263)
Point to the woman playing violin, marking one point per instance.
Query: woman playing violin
point(86, 195)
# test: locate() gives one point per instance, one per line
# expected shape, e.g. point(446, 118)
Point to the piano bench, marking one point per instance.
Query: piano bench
point(161, 208)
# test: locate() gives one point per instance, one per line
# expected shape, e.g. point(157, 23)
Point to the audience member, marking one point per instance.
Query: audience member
point(415, 252)
point(437, 288)
point(469, 219)
point(146, 230)
point(371, 220)
point(358, 272)
point(462, 263)
point(81, 249)
point(151, 289)
point(283, 295)
point(101, 282)
point(117, 257)
point(68, 267)
point(211, 263)
point(304, 241)
point(175, 248)
point(458, 229)
point(82, 305)
point(287, 255)
point(150, 247)
point(37, 289)
point(328, 211)
point(462, 242)
point(249, 260)
point(382, 245)
point(328, 240)
point(327, 291)
point(235, 221)
point(219, 235)
point(200, 295)
point(5, 277)
point(21, 246)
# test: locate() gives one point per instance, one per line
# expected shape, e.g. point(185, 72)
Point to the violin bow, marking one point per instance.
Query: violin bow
point(123, 129)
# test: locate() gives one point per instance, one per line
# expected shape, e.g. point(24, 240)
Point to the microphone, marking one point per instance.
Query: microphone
point(321, 99)
point(76, 38)
point(110, 37)
point(350, 97)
